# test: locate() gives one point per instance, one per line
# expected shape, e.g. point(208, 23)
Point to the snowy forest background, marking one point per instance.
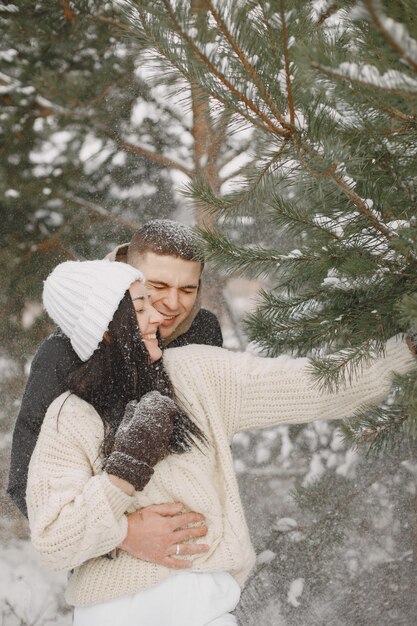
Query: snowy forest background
point(286, 130)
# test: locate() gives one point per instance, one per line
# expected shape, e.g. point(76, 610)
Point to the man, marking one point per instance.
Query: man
point(167, 254)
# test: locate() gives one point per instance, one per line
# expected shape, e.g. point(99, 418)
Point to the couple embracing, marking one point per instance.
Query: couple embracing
point(131, 486)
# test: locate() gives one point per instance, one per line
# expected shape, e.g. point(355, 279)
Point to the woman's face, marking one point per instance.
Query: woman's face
point(147, 317)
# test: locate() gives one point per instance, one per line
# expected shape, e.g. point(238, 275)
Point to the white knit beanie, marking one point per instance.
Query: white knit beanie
point(82, 297)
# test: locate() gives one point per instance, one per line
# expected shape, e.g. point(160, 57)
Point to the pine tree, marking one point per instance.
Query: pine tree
point(331, 97)
point(69, 187)
point(88, 141)
point(329, 93)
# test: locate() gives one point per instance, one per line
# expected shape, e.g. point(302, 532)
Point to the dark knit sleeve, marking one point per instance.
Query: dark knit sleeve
point(53, 362)
point(204, 330)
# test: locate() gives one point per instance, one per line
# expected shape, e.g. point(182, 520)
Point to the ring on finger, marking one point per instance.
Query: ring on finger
point(177, 549)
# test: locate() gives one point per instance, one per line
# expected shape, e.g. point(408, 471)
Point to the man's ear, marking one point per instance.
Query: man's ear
point(106, 337)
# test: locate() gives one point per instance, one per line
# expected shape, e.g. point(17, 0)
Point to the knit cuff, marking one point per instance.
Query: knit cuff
point(137, 473)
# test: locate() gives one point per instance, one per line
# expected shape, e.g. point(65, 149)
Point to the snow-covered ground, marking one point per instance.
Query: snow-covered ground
point(30, 595)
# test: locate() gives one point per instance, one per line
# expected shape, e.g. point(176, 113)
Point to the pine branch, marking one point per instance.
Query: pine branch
point(267, 167)
point(392, 112)
point(247, 65)
point(200, 191)
point(112, 22)
point(331, 10)
point(224, 255)
point(330, 372)
point(332, 73)
point(384, 32)
point(390, 428)
point(204, 196)
point(360, 204)
point(46, 107)
point(238, 172)
point(287, 217)
point(99, 98)
point(215, 72)
point(379, 430)
point(53, 244)
point(271, 36)
point(164, 54)
point(99, 210)
point(156, 157)
point(178, 116)
point(232, 153)
point(356, 200)
point(68, 12)
point(246, 195)
point(287, 63)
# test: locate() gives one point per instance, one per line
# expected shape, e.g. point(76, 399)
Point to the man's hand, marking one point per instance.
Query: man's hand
point(155, 531)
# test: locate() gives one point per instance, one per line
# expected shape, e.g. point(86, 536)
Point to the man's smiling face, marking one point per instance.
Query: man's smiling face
point(173, 285)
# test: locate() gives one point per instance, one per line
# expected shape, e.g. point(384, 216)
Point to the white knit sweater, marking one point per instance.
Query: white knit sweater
point(77, 514)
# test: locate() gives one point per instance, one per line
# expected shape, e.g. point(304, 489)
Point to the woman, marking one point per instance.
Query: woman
point(97, 460)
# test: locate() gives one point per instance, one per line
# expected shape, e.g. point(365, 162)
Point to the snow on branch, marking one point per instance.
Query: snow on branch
point(391, 80)
point(395, 33)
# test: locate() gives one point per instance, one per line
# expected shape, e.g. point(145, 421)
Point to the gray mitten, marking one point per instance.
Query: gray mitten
point(142, 439)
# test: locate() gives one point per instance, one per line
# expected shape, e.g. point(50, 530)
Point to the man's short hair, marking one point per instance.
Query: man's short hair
point(165, 237)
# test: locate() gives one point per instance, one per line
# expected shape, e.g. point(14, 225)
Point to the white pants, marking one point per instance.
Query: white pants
point(184, 599)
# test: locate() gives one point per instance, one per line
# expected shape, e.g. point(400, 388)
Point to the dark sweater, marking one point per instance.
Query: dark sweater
point(53, 362)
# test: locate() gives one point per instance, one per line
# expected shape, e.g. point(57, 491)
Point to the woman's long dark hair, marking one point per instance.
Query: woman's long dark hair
point(120, 371)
